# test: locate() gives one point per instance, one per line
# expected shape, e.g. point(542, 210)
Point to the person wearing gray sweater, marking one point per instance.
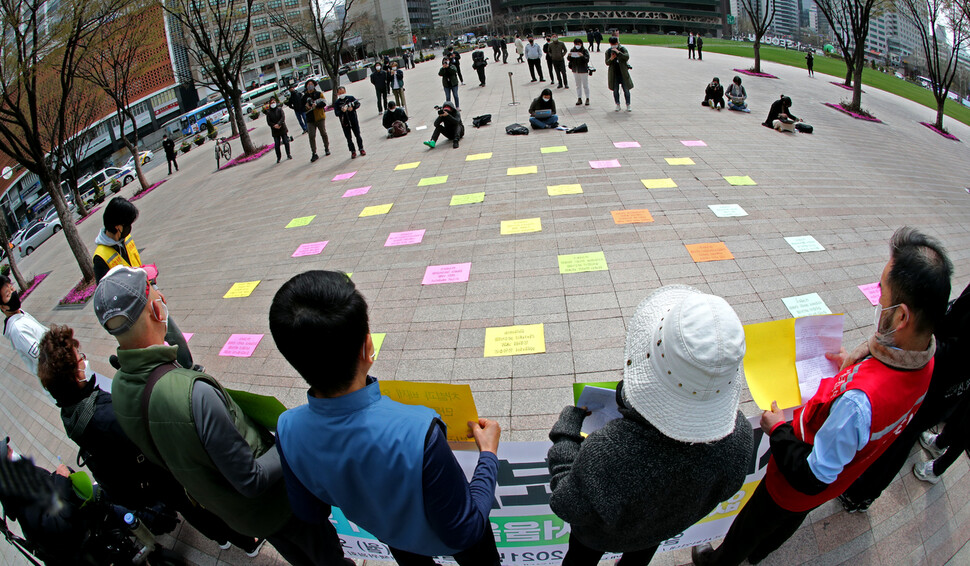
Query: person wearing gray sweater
point(681, 446)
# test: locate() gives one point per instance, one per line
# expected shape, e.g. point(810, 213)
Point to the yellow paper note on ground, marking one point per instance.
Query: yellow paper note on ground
point(521, 226)
point(579, 263)
point(404, 166)
point(469, 198)
point(241, 289)
point(378, 339)
point(478, 156)
point(433, 181)
point(375, 210)
point(769, 363)
point(556, 190)
point(301, 221)
point(553, 149)
point(454, 403)
point(522, 170)
point(659, 183)
point(515, 340)
point(740, 180)
point(679, 161)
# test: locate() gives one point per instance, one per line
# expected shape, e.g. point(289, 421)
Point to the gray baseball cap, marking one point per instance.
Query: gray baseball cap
point(123, 292)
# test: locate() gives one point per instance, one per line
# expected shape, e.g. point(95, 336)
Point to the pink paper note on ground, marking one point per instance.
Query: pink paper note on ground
point(604, 164)
point(357, 192)
point(312, 248)
point(694, 143)
point(872, 291)
point(344, 176)
point(241, 345)
point(404, 238)
point(453, 273)
point(625, 145)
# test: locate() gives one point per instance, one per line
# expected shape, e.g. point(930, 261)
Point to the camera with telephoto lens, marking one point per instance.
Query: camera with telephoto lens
point(592, 70)
point(320, 103)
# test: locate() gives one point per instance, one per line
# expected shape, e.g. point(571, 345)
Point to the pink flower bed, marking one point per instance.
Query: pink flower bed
point(237, 135)
point(941, 132)
point(260, 151)
point(855, 115)
point(843, 86)
point(86, 216)
point(33, 285)
point(145, 192)
point(80, 294)
point(754, 74)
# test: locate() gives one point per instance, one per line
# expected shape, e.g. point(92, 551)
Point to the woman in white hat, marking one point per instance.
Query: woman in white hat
point(681, 447)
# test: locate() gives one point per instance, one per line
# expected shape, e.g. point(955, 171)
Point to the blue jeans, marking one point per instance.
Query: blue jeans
point(738, 107)
point(301, 118)
point(452, 91)
point(626, 93)
point(542, 123)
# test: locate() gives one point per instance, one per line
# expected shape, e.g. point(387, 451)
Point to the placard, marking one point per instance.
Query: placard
point(521, 226)
point(631, 216)
point(375, 210)
point(605, 164)
point(404, 166)
point(515, 340)
point(802, 244)
point(553, 149)
point(659, 183)
point(872, 291)
point(241, 289)
point(579, 263)
point(626, 144)
point(357, 192)
point(727, 210)
point(557, 190)
point(715, 251)
point(241, 345)
point(313, 248)
point(522, 170)
point(404, 238)
point(693, 143)
point(301, 221)
point(740, 180)
point(453, 403)
point(478, 156)
point(806, 305)
point(679, 161)
point(470, 198)
point(344, 176)
point(452, 273)
point(433, 181)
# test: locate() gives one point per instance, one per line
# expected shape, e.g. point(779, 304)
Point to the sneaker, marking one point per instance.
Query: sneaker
point(225, 545)
point(579, 102)
point(327, 152)
point(924, 471)
point(430, 143)
point(587, 102)
point(617, 108)
point(851, 506)
point(253, 552)
point(289, 157)
point(363, 153)
point(277, 160)
point(928, 440)
point(701, 554)
point(314, 158)
point(455, 145)
point(533, 80)
point(353, 155)
point(628, 109)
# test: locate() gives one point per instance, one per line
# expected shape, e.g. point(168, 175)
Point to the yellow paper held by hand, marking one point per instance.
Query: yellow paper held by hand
point(769, 363)
point(454, 403)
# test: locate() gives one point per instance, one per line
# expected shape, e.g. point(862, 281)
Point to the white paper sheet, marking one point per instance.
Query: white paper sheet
point(601, 402)
point(814, 337)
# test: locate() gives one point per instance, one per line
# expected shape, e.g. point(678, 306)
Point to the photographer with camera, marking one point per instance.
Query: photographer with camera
point(579, 64)
point(316, 111)
point(449, 80)
point(448, 123)
point(617, 58)
point(346, 111)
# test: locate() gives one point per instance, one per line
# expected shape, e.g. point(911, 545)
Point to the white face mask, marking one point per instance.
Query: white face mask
point(164, 308)
point(273, 105)
point(877, 319)
point(546, 99)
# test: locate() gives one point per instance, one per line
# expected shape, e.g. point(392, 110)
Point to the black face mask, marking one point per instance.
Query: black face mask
point(14, 303)
point(125, 233)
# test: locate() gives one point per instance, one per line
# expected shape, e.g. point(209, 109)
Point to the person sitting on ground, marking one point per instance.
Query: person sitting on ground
point(736, 96)
point(780, 116)
point(542, 111)
point(395, 120)
point(448, 124)
point(714, 95)
point(615, 487)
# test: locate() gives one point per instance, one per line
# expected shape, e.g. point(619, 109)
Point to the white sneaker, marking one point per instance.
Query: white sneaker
point(617, 108)
point(924, 471)
point(225, 545)
point(928, 440)
point(628, 109)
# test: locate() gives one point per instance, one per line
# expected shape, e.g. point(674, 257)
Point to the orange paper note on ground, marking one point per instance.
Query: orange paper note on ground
point(453, 403)
point(631, 216)
point(709, 252)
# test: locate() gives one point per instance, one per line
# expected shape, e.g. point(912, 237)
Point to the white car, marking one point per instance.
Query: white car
point(37, 235)
point(145, 157)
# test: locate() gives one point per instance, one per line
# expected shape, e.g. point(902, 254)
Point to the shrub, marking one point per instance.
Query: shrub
point(199, 139)
point(186, 146)
point(115, 185)
point(5, 270)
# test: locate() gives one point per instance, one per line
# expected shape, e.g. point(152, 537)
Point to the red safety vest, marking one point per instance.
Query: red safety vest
point(895, 396)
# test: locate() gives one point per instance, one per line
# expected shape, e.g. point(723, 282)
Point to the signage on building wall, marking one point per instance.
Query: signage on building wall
point(168, 107)
point(627, 15)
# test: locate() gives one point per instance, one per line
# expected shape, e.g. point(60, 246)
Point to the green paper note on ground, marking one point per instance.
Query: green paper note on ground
point(579, 263)
point(469, 198)
point(553, 149)
point(378, 339)
point(740, 180)
point(263, 409)
point(478, 156)
point(769, 363)
point(556, 190)
point(578, 387)
point(433, 181)
point(301, 221)
point(659, 183)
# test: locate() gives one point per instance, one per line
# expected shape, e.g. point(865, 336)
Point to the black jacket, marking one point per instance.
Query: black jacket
point(714, 92)
point(379, 79)
point(578, 64)
point(449, 76)
point(775, 110)
point(391, 116)
point(275, 116)
point(346, 108)
point(450, 124)
point(295, 101)
point(169, 146)
point(390, 78)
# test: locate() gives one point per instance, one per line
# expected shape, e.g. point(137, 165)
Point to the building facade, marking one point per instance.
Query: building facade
point(394, 23)
point(642, 16)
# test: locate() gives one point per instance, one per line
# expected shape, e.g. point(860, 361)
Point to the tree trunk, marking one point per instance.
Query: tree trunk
point(5, 242)
point(80, 250)
point(82, 210)
point(757, 54)
point(939, 114)
point(247, 143)
point(138, 171)
point(857, 88)
point(232, 119)
point(848, 74)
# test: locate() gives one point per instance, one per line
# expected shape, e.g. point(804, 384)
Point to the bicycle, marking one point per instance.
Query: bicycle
point(223, 151)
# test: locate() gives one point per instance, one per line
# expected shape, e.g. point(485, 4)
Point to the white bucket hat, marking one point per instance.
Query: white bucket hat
point(683, 364)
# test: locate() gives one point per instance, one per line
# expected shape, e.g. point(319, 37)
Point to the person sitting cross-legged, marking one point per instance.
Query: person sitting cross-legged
point(542, 111)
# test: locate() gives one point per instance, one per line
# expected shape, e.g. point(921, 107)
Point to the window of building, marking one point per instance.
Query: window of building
point(272, 4)
point(265, 53)
point(291, 3)
point(282, 48)
point(257, 8)
point(261, 37)
point(259, 23)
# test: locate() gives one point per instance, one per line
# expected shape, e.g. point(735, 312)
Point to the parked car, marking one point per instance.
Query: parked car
point(87, 185)
point(145, 157)
point(52, 212)
point(36, 235)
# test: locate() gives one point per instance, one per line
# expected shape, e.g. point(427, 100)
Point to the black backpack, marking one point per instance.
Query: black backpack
point(479, 121)
point(516, 130)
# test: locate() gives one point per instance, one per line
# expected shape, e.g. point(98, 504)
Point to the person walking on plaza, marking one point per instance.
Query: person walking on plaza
point(170, 153)
point(615, 487)
point(810, 62)
point(454, 59)
point(185, 421)
point(579, 65)
point(479, 63)
point(691, 45)
point(395, 80)
point(557, 53)
point(316, 108)
point(115, 246)
point(23, 330)
point(496, 44)
point(542, 111)
point(519, 48)
point(295, 102)
point(549, 64)
point(533, 56)
point(504, 46)
point(855, 415)
point(395, 120)
point(736, 96)
point(590, 38)
point(448, 124)
point(388, 465)
point(618, 76)
point(276, 121)
point(345, 109)
point(700, 47)
point(714, 95)
point(598, 37)
point(449, 80)
point(378, 78)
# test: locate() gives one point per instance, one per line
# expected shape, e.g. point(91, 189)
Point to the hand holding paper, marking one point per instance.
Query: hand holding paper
point(486, 434)
point(771, 418)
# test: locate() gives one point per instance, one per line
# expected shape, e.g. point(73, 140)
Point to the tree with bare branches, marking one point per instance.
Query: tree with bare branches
point(761, 14)
point(219, 33)
point(849, 20)
point(83, 108)
point(14, 268)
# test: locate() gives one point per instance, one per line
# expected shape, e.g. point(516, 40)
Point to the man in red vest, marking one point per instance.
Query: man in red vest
point(855, 415)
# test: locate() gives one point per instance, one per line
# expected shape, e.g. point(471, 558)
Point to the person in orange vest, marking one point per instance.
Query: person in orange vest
point(115, 246)
point(855, 415)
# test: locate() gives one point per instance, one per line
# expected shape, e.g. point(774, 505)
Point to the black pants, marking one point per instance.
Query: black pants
point(306, 544)
point(954, 438)
point(351, 129)
point(535, 65)
point(552, 76)
point(482, 553)
point(581, 555)
point(700, 53)
point(690, 51)
point(211, 526)
point(495, 53)
point(452, 135)
point(760, 528)
point(560, 67)
point(505, 54)
point(381, 99)
point(282, 140)
point(461, 79)
point(171, 161)
point(713, 102)
point(481, 75)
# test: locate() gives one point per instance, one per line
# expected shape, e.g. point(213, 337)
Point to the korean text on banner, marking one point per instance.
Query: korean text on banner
point(453, 403)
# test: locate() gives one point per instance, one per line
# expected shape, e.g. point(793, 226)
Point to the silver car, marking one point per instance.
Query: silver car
point(36, 235)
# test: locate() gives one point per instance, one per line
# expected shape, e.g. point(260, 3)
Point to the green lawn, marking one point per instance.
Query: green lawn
point(825, 65)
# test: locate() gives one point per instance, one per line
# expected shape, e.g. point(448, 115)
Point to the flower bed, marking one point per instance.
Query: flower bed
point(88, 215)
point(754, 74)
point(855, 115)
point(78, 296)
point(33, 285)
point(237, 135)
point(947, 135)
point(260, 151)
point(144, 192)
point(843, 86)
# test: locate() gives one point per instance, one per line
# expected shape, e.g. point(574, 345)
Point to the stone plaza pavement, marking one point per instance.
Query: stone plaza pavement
point(849, 185)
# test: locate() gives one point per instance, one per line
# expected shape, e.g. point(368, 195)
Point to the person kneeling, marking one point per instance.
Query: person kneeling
point(449, 124)
point(780, 116)
point(714, 95)
point(396, 121)
point(736, 96)
point(542, 111)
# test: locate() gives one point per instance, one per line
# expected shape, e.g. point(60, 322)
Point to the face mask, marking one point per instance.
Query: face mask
point(164, 308)
point(547, 99)
point(311, 88)
point(273, 105)
point(13, 305)
point(877, 319)
point(377, 67)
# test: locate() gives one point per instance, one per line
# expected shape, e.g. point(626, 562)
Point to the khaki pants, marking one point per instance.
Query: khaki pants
point(399, 96)
point(312, 128)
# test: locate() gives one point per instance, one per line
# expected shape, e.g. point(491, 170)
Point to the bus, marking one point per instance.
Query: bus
point(260, 95)
point(192, 122)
